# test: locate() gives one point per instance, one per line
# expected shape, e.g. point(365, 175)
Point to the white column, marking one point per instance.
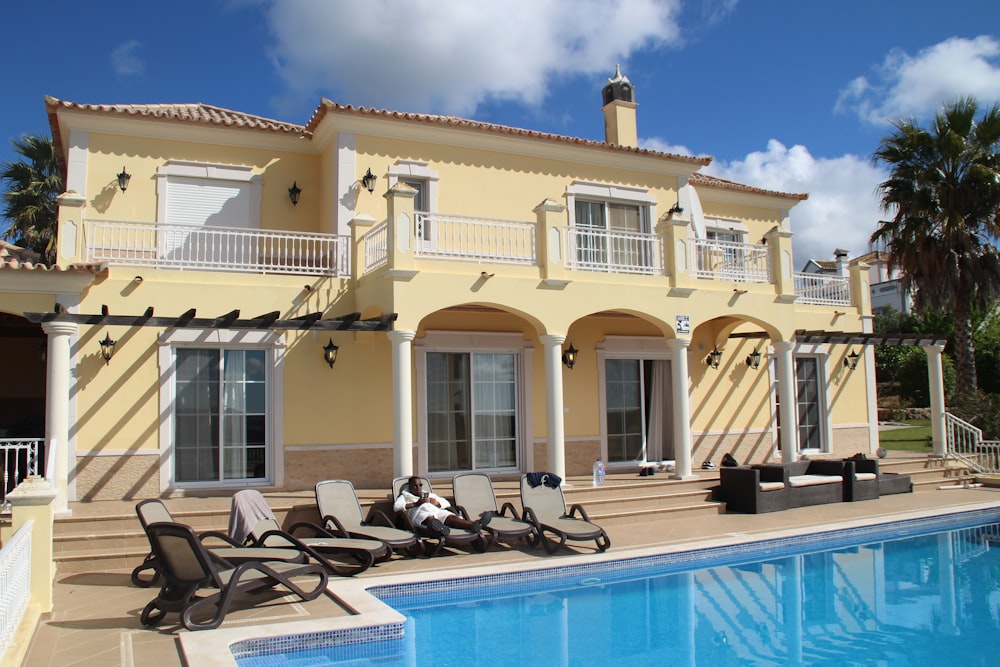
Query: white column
point(935, 378)
point(402, 402)
point(555, 432)
point(682, 407)
point(61, 336)
point(786, 400)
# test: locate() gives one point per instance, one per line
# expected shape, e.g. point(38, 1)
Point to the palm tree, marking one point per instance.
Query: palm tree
point(30, 199)
point(943, 193)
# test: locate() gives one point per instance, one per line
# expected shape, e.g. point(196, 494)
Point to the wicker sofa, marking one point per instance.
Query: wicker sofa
point(773, 487)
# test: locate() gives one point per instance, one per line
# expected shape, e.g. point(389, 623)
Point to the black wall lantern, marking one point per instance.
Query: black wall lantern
point(368, 180)
point(330, 353)
point(851, 362)
point(107, 348)
point(123, 178)
point(714, 357)
point(753, 359)
point(294, 192)
point(569, 356)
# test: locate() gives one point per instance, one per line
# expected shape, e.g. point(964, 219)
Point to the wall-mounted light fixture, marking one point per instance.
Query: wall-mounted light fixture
point(753, 359)
point(330, 353)
point(851, 361)
point(123, 178)
point(569, 356)
point(714, 357)
point(368, 180)
point(107, 348)
point(294, 192)
point(675, 209)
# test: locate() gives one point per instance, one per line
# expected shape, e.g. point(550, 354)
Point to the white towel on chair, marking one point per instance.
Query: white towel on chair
point(248, 508)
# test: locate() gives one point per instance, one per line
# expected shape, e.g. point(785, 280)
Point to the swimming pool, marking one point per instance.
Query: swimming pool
point(922, 591)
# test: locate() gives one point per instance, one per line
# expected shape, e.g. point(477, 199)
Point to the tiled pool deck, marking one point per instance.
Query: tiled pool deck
point(96, 615)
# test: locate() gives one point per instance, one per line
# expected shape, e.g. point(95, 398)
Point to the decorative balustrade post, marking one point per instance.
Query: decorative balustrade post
point(70, 246)
point(551, 240)
point(779, 243)
point(861, 291)
point(676, 233)
point(402, 237)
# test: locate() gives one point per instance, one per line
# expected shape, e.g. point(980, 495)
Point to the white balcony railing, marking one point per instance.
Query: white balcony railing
point(15, 583)
point(730, 260)
point(467, 238)
point(823, 289)
point(376, 246)
point(216, 248)
point(19, 458)
point(589, 249)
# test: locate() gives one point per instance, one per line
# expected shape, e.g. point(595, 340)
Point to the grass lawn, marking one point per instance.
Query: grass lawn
point(916, 437)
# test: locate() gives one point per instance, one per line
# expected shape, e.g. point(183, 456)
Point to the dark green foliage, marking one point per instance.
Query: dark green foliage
point(982, 411)
point(943, 198)
point(31, 188)
point(913, 381)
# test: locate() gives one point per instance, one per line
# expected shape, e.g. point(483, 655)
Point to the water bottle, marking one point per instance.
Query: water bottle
point(599, 472)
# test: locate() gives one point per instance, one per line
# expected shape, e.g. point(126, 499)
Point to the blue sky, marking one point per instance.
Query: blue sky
point(791, 95)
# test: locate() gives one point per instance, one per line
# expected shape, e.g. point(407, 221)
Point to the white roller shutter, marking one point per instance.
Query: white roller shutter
point(209, 203)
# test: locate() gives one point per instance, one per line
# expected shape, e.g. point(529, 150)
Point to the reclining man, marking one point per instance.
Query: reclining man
point(431, 511)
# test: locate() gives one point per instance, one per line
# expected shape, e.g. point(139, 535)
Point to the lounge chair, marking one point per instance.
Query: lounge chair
point(154, 511)
point(341, 515)
point(434, 542)
point(320, 545)
point(187, 566)
point(545, 508)
point(474, 495)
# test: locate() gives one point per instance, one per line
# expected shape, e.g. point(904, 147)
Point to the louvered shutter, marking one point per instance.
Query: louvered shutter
point(209, 203)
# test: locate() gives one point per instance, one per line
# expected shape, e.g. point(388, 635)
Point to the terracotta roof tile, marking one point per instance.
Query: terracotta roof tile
point(327, 107)
point(193, 113)
point(19, 259)
point(723, 184)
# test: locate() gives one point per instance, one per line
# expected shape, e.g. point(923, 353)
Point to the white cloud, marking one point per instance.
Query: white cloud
point(448, 56)
point(657, 144)
point(125, 61)
point(842, 208)
point(907, 86)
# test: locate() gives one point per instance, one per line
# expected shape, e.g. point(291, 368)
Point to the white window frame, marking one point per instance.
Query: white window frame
point(469, 342)
point(625, 347)
point(222, 339)
point(822, 355)
point(222, 173)
point(604, 193)
point(729, 226)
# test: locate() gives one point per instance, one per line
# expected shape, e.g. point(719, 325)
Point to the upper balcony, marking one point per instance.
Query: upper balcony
point(560, 252)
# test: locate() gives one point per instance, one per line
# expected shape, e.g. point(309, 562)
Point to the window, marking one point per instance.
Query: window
point(637, 412)
point(811, 409)
point(220, 416)
point(610, 228)
point(223, 422)
point(472, 402)
point(423, 179)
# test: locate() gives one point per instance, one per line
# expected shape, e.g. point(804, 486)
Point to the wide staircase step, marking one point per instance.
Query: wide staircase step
point(107, 535)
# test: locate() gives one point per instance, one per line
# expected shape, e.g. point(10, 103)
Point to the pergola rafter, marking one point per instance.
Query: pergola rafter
point(230, 320)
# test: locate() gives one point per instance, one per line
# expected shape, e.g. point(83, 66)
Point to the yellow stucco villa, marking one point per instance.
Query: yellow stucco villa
point(376, 293)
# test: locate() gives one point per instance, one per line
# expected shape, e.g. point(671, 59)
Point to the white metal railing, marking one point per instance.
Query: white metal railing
point(475, 239)
point(823, 289)
point(730, 260)
point(215, 248)
point(19, 458)
point(15, 583)
point(589, 249)
point(966, 444)
point(376, 246)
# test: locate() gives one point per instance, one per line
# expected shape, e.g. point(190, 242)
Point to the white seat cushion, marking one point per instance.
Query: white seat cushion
point(772, 486)
point(813, 480)
point(865, 476)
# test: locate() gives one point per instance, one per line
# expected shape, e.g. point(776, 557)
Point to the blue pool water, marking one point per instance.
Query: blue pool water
point(921, 592)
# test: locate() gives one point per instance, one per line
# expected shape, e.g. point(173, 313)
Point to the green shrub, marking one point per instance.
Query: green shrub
point(914, 383)
point(982, 411)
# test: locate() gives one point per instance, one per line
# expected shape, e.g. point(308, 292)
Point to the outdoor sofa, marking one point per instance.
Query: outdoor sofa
point(772, 487)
